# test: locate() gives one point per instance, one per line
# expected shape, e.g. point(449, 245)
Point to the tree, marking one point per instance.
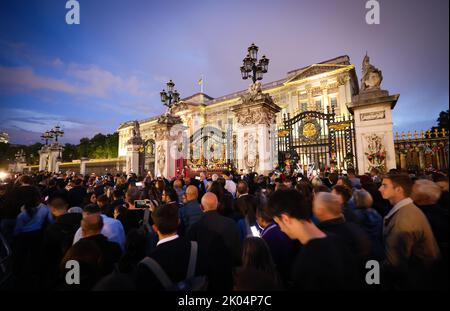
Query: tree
point(100, 146)
point(442, 121)
point(70, 153)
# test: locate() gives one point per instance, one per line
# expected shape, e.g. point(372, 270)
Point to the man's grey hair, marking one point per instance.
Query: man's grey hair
point(362, 199)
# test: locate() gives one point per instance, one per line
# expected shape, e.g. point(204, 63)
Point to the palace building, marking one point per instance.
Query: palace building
point(211, 125)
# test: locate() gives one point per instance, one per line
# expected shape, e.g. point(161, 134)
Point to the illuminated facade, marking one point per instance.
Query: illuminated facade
point(325, 86)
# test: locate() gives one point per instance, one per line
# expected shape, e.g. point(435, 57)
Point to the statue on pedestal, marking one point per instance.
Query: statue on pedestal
point(371, 76)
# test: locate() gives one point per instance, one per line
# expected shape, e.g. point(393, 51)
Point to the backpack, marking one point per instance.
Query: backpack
point(190, 283)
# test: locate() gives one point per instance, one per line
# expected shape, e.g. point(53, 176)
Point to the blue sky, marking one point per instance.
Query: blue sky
point(111, 67)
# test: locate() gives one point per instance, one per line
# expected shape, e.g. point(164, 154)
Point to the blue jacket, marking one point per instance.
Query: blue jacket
point(190, 213)
point(26, 224)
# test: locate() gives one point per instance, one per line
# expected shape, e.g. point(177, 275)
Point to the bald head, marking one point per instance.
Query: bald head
point(210, 202)
point(91, 224)
point(326, 206)
point(191, 193)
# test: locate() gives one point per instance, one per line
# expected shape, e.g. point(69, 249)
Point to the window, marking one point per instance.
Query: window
point(303, 106)
point(333, 102)
point(318, 105)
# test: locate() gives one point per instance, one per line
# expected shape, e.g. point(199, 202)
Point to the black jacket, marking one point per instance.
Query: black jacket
point(111, 252)
point(218, 260)
point(58, 238)
point(225, 227)
point(76, 196)
point(351, 234)
point(173, 257)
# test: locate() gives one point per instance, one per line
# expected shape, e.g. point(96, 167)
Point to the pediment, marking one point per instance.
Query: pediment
point(314, 70)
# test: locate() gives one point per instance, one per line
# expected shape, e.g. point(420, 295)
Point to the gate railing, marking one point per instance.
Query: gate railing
point(422, 150)
point(312, 137)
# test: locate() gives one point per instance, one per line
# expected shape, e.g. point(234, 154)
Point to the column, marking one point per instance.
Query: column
point(255, 123)
point(374, 129)
point(83, 161)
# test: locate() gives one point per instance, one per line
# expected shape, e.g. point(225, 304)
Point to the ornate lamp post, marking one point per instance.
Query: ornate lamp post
point(251, 68)
point(170, 97)
point(57, 132)
point(48, 135)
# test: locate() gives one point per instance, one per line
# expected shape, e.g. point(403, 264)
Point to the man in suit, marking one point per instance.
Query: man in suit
point(225, 227)
point(172, 252)
point(410, 247)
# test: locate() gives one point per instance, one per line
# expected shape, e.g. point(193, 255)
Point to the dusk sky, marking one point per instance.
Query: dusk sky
point(110, 69)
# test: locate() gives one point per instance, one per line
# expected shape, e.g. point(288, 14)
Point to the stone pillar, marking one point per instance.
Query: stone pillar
point(373, 122)
point(132, 158)
point(256, 124)
point(373, 130)
point(83, 161)
point(168, 134)
point(43, 158)
point(54, 158)
point(134, 145)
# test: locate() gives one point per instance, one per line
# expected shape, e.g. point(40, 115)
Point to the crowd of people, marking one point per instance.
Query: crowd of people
point(227, 231)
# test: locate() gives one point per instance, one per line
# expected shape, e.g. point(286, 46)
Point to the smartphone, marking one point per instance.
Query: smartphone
point(255, 231)
point(139, 184)
point(142, 203)
point(197, 177)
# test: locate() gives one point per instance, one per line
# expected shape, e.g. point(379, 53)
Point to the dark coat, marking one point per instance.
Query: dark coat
point(225, 227)
point(173, 257)
point(111, 252)
point(76, 196)
point(58, 238)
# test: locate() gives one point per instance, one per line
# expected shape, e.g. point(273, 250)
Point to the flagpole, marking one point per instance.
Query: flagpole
point(201, 85)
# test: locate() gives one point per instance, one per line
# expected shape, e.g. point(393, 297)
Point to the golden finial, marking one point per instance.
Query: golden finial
point(422, 134)
point(416, 135)
point(403, 136)
point(429, 134)
point(409, 135)
point(444, 132)
point(397, 137)
point(436, 133)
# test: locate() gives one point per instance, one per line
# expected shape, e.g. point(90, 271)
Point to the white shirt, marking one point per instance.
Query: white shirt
point(170, 238)
point(112, 229)
point(230, 186)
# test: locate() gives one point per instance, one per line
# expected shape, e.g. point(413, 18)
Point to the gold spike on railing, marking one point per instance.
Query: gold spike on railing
point(429, 134)
point(403, 136)
point(444, 132)
point(416, 135)
point(436, 133)
point(397, 137)
point(409, 135)
point(422, 134)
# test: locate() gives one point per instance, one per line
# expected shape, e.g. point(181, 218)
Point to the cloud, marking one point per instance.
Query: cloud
point(26, 78)
point(85, 80)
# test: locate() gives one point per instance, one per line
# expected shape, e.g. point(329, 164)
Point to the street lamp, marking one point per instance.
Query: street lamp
point(48, 135)
point(251, 68)
point(170, 97)
point(57, 132)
